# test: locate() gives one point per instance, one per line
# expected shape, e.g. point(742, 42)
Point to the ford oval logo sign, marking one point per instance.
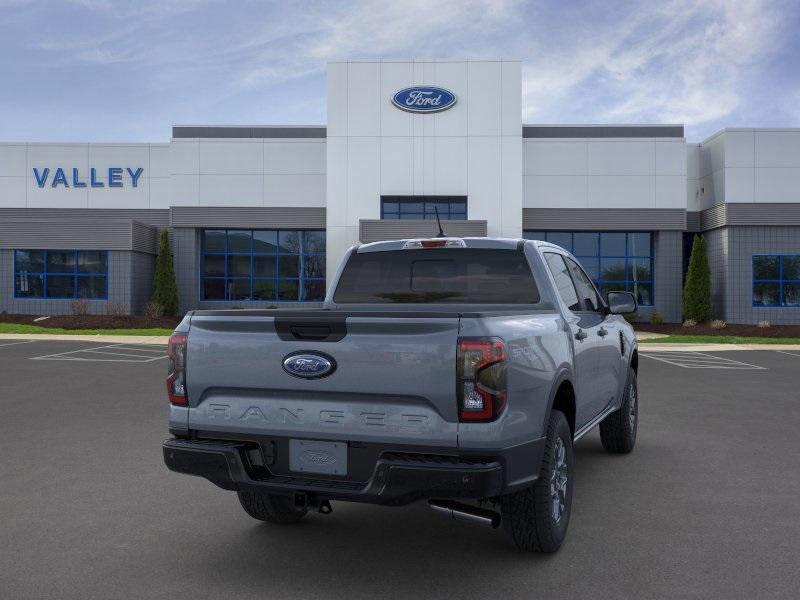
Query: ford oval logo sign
point(424, 99)
point(308, 365)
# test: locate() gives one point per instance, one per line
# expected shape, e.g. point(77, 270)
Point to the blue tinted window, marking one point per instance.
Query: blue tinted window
point(615, 260)
point(65, 274)
point(265, 265)
point(450, 208)
point(776, 280)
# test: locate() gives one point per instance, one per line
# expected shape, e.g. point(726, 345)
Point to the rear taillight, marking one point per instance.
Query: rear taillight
point(481, 373)
point(176, 376)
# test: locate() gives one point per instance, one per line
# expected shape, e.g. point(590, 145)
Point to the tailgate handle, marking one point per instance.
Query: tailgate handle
point(310, 332)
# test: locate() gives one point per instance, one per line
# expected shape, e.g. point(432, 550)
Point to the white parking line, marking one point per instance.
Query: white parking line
point(17, 343)
point(144, 355)
point(701, 360)
point(789, 353)
point(145, 349)
point(143, 358)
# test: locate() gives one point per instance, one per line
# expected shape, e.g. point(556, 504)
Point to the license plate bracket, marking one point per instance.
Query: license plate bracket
point(317, 456)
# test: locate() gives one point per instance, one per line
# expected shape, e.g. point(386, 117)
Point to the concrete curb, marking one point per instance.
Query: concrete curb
point(716, 347)
point(162, 341)
point(103, 339)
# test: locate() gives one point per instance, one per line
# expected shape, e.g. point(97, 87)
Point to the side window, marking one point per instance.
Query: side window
point(563, 281)
point(586, 292)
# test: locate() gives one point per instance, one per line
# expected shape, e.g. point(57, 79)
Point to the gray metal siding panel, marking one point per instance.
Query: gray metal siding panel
point(64, 234)
point(375, 230)
point(776, 214)
point(693, 221)
point(186, 256)
point(141, 280)
point(713, 217)
point(602, 131)
point(668, 276)
point(144, 238)
point(312, 132)
point(762, 213)
point(605, 219)
point(264, 217)
point(717, 250)
point(151, 216)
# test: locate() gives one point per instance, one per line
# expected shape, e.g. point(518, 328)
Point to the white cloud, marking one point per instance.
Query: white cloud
point(683, 62)
point(699, 62)
point(416, 28)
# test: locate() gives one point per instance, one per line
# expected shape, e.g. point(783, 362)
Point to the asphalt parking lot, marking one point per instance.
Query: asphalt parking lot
point(708, 505)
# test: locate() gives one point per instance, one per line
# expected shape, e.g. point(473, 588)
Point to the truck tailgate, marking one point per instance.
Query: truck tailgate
point(394, 379)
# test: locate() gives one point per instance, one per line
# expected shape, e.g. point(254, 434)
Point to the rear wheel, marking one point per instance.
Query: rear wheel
point(271, 508)
point(618, 430)
point(537, 517)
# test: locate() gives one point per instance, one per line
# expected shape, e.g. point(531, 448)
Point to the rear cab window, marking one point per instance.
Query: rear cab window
point(438, 276)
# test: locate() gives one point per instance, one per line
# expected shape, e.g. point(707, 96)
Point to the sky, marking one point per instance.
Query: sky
point(127, 70)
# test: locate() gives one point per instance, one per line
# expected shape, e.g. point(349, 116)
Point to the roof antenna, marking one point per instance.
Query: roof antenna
point(441, 231)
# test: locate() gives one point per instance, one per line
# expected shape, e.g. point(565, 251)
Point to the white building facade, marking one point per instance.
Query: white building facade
point(260, 216)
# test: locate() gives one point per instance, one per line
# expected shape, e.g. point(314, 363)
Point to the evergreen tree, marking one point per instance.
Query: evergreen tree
point(697, 290)
point(165, 288)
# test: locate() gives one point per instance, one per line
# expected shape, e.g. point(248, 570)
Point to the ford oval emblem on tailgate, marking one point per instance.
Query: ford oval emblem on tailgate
point(308, 365)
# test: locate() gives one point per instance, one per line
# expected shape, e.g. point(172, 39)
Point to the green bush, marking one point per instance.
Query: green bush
point(165, 288)
point(656, 318)
point(697, 290)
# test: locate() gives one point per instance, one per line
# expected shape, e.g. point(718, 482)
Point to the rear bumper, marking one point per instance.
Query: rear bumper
point(398, 477)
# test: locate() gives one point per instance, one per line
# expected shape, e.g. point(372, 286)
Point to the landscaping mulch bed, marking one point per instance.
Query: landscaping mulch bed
point(773, 331)
point(92, 321)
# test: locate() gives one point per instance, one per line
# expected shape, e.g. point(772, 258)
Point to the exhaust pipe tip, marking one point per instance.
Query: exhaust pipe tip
point(458, 511)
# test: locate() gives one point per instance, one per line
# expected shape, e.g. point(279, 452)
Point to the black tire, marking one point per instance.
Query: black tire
point(618, 430)
point(271, 508)
point(529, 516)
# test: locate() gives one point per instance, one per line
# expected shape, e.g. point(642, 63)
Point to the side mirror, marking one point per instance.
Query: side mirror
point(621, 303)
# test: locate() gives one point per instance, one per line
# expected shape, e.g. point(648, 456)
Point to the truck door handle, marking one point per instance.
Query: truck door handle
point(602, 332)
point(580, 335)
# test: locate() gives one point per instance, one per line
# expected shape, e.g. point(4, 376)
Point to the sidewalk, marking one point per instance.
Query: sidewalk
point(646, 335)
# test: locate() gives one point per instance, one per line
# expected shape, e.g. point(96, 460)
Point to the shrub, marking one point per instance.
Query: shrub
point(153, 311)
point(116, 309)
point(718, 324)
point(656, 318)
point(690, 323)
point(697, 290)
point(764, 324)
point(165, 288)
point(79, 308)
point(630, 318)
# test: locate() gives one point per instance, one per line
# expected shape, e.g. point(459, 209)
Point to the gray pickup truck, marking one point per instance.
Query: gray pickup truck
point(460, 371)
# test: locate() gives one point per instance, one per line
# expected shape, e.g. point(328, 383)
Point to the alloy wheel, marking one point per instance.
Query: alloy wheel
point(559, 477)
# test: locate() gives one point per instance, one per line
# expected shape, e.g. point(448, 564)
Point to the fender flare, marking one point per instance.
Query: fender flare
point(562, 373)
point(634, 353)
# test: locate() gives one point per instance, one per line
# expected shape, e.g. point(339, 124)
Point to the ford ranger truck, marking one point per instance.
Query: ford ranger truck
point(458, 371)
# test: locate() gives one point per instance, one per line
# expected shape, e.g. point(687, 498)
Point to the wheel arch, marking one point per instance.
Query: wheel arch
point(562, 398)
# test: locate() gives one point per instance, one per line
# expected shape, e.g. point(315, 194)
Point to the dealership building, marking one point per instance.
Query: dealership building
point(260, 215)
